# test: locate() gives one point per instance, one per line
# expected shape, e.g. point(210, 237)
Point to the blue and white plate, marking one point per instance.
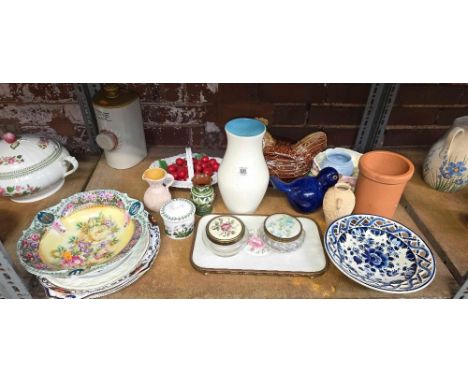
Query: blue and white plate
point(380, 253)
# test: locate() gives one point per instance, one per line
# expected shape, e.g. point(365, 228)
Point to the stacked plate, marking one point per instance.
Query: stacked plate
point(89, 245)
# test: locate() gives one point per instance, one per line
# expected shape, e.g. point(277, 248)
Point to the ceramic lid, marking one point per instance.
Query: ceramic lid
point(177, 209)
point(25, 153)
point(282, 227)
point(225, 230)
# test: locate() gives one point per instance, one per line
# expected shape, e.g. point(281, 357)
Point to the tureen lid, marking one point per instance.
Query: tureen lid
point(25, 153)
point(282, 227)
point(225, 230)
point(177, 209)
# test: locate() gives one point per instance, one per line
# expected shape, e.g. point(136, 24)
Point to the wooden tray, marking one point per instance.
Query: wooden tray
point(309, 260)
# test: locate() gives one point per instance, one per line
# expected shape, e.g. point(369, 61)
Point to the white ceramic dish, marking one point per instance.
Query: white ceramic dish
point(127, 275)
point(33, 168)
point(309, 260)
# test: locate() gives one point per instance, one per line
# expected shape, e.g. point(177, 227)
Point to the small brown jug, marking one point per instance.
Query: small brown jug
point(383, 176)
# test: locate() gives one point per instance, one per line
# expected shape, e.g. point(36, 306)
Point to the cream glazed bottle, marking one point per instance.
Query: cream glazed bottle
point(120, 123)
point(243, 174)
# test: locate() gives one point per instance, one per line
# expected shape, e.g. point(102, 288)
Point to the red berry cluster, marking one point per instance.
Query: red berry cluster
point(204, 165)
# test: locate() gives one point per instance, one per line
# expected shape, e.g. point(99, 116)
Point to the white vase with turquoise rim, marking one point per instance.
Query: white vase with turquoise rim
point(243, 175)
point(446, 165)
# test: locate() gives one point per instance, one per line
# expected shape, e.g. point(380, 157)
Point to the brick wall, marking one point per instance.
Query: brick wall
point(47, 109)
point(194, 114)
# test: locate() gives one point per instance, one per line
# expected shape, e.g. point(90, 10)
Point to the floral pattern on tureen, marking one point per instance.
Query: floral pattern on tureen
point(380, 253)
point(18, 190)
point(12, 159)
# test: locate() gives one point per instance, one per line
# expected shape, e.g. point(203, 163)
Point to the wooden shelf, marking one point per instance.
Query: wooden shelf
point(172, 275)
point(441, 216)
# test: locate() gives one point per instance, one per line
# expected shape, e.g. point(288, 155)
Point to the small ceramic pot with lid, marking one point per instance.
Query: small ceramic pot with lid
point(283, 232)
point(225, 235)
point(179, 218)
point(32, 168)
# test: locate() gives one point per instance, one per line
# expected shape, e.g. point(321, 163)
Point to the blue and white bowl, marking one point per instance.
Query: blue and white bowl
point(340, 160)
point(380, 253)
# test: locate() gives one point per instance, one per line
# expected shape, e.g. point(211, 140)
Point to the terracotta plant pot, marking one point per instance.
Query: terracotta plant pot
point(383, 176)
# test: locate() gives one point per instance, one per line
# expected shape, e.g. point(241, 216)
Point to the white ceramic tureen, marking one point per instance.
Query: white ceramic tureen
point(32, 168)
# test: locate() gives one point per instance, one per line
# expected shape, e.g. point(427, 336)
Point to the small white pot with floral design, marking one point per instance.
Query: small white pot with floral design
point(179, 218)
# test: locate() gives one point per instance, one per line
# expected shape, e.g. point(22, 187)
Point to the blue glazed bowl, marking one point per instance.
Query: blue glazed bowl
point(340, 160)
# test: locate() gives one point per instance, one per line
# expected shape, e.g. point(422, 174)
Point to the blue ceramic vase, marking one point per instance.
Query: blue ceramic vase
point(306, 194)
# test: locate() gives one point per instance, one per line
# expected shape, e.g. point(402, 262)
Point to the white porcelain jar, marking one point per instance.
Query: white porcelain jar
point(243, 174)
point(120, 123)
point(32, 168)
point(179, 218)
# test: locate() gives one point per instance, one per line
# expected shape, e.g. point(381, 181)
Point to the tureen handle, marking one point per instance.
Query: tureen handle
point(74, 163)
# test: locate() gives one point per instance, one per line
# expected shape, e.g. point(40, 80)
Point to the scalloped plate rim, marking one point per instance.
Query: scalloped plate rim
point(353, 278)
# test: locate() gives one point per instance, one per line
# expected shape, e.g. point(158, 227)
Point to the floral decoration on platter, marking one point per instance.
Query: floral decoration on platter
point(94, 241)
point(116, 284)
point(19, 190)
point(89, 249)
point(380, 253)
point(84, 199)
point(8, 160)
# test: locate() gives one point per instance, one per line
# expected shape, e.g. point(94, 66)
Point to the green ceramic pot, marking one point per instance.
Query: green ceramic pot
point(203, 198)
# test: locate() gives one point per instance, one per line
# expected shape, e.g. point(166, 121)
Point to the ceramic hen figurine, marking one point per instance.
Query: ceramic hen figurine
point(306, 194)
point(289, 161)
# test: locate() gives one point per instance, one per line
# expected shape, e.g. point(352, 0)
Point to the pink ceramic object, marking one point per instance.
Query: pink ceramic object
point(158, 191)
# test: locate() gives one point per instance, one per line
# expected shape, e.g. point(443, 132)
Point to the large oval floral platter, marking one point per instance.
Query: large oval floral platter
point(130, 271)
point(86, 232)
point(380, 253)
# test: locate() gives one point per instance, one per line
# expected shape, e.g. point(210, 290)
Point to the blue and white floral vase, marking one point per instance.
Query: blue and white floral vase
point(446, 164)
